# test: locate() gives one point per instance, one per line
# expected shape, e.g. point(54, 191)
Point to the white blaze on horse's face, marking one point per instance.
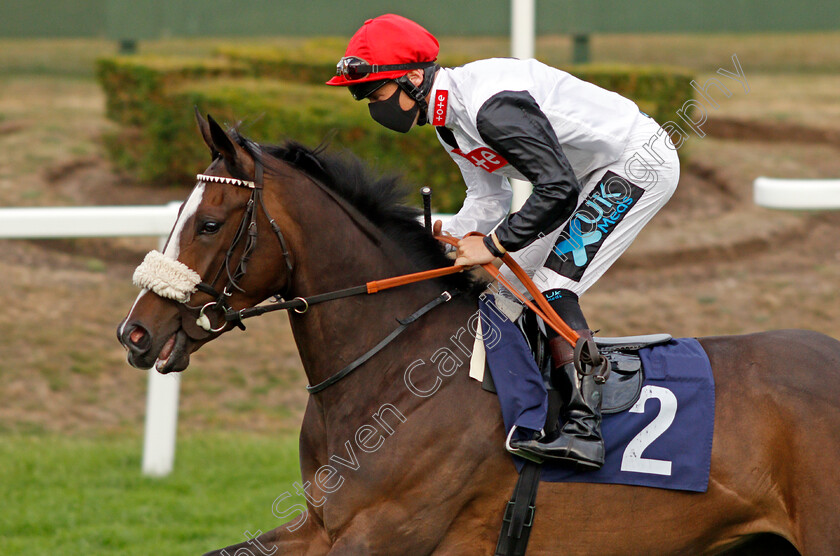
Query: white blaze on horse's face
point(173, 245)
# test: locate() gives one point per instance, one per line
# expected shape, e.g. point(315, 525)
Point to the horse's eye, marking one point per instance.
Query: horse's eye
point(210, 227)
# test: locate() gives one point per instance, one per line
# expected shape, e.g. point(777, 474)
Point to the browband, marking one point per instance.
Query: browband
point(228, 181)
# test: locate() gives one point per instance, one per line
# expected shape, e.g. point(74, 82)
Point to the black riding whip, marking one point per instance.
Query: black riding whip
point(426, 192)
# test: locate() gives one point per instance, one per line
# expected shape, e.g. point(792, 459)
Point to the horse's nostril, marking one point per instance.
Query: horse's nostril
point(136, 338)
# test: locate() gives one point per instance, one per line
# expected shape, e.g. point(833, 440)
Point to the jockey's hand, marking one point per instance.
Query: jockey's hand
point(472, 251)
point(437, 229)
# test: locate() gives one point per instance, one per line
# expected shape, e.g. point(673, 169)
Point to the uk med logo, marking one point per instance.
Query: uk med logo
point(577, 243)
point(591, 224)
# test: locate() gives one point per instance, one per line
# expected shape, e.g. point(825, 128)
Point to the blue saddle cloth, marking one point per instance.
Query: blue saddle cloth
point(664, 440)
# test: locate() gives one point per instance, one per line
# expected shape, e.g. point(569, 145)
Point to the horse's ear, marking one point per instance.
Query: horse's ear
point(233, 154)
point(204, 128)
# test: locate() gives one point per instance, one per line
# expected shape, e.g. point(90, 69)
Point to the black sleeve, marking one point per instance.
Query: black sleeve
point(512, 124)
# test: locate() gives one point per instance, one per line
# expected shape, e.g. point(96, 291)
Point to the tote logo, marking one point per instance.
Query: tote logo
point(441, 100)
point(483, 158)
point(591, 224)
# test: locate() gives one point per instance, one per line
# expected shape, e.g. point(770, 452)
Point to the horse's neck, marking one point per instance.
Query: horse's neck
point(334, 253)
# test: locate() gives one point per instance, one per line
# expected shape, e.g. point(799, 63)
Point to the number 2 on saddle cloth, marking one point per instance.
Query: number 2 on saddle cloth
point(658, 402)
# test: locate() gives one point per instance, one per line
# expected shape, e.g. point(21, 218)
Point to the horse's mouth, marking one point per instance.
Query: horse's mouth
point(174, 356)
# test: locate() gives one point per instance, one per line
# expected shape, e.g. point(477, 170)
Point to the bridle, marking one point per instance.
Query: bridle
point(247, 230)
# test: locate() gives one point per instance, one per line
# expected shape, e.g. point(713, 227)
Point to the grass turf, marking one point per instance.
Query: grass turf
point(87, 496)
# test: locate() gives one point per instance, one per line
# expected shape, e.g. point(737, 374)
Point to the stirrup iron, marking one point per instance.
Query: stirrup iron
point(521, 453)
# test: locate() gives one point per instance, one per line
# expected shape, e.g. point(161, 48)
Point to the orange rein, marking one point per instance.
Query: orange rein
point(542, 309)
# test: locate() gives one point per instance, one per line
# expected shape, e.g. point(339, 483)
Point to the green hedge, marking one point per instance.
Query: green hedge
point(134, 84)
point(279, 93)
point(312, 62)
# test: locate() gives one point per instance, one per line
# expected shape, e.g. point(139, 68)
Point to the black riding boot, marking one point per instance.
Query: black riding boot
point(579, 440)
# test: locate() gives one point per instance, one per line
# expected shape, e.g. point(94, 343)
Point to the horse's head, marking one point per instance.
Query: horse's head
point(222, 253)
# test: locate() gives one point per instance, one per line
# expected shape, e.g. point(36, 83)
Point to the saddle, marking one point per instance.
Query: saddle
point(624, 381)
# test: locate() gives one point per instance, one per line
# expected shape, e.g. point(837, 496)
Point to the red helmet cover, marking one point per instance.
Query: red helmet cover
point(389, 39)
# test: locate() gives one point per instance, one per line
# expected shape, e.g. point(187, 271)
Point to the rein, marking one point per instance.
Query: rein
point(542, 308)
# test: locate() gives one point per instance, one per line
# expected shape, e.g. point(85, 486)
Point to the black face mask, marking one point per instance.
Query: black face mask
point(389, 113)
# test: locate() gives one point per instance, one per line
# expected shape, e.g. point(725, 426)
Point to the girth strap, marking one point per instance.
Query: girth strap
point(442, 298)
point(519, 513)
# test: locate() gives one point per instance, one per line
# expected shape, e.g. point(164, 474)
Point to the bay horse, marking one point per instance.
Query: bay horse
point(404, 456)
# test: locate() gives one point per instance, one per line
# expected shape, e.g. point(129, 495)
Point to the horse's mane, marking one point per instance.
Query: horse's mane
point(381, 199)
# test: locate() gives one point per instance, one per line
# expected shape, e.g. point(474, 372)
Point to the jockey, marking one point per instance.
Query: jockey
point(600, 170)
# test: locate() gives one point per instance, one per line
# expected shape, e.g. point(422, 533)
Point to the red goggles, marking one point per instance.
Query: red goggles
point(353, 68)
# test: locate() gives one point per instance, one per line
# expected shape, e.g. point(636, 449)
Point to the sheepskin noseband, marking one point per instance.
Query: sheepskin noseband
point(166, 277)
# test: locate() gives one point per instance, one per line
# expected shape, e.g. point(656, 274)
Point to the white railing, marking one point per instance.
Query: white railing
point(115, 221)
point(66, 222)
point(797, 194)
